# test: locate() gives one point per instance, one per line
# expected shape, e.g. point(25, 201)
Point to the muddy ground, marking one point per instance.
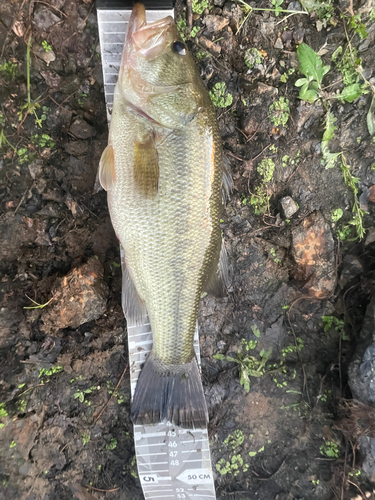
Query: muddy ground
point(65, 431)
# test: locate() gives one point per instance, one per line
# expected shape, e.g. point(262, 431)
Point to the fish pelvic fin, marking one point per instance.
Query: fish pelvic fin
point(133, 306)
point(172, 393)
point(227, 181)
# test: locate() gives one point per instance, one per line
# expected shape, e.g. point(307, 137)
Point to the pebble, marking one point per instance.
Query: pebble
point(81, 129)
point(44, 18)
point(298, 35)
point(79, 297)
point(212, 47)
point(279, 44)
point(289, 206)
point(215, 23)
point(314, 252)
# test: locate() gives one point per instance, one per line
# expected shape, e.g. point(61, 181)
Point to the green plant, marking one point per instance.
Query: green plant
point(232, 466)
point(266, 169)
point(81, 99)
point(329, 449)
point(133, 467)
point(112, 445)
point(234, 440)
point(43, 141)
point(249, 366)
point(199, 6)
point(85, 438)
point(337, 324)
point(48, 372)
point(323, 10)
point(12, 444)
point(279, 112)
point(81, 394)
point(194, 32)
point(293, 348)
point(3, 412)
point(277, 6)
point(357, 25)
point(120, 398)
point(252, 57)
point(311, 66)
point(273, 255)
point(9, 70)
point(219, 97)
point(31, 106)
point(336, 214)
point(46, 46)
point(182, 28)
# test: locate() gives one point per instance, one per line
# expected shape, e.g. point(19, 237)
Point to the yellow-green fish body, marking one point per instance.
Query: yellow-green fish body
point(162, 170)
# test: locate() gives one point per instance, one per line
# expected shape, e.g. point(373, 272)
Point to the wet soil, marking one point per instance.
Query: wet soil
point(64, 390)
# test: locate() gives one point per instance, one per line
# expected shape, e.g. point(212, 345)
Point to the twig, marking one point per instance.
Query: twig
point(113, 393)
point(189, 6)
point(236, 157)
point(98, 489)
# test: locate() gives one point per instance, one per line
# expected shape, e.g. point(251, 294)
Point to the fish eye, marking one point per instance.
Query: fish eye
point(179, 48)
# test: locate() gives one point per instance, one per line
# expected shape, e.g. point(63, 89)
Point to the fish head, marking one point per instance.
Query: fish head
point(158, 76)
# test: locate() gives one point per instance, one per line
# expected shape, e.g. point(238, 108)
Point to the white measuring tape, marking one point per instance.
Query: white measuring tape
point(173, 463)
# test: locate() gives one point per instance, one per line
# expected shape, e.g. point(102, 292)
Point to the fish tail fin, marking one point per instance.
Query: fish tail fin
point(170, 392)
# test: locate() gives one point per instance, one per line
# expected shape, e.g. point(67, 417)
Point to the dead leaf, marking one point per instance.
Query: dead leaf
point(372, 194)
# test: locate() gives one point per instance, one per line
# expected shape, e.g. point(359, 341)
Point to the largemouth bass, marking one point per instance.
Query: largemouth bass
point(162, 170)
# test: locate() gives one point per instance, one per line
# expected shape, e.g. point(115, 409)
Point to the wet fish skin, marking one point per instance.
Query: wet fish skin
point(162, 170)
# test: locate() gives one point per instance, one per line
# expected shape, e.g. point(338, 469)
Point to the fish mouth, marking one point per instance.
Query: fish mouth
point(147, 39)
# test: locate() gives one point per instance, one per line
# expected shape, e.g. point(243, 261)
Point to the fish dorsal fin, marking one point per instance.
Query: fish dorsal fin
point(146, 166)
point(107, 172)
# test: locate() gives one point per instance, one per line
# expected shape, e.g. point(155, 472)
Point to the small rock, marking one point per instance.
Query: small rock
point(36, 169)
point(267, 89)
point(47, 57)
point(370, 236)
point(289, 206)
point(364, 197)
point(371, 196)
point(219, 3)
point(294, 6)
point(76, 148)
point(212, 47)
point(299, 35)
point(44, 18)
point(307, 115)
point(352, 267)
point(81, 129)
point(314, 253)
point(279, 44)
point(52, 80)
point(78, 298)
point(267, 27)
point(286, 38)
point(234, 13)
point(215, 23)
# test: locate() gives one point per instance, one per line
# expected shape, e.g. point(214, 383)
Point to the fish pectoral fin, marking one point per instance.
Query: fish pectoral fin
point(218, 281)
point(107, 172)
point(170, 392)
point(133, 306)
point(146, 166)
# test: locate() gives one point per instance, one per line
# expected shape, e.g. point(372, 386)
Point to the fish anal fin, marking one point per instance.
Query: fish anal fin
point(107, 172)
point(172, 393)
point(133, 306)
point(218, 281)
point(146, 166)
point(227, 181)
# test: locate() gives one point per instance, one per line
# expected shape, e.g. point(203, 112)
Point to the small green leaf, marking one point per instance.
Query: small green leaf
point(350, 93)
